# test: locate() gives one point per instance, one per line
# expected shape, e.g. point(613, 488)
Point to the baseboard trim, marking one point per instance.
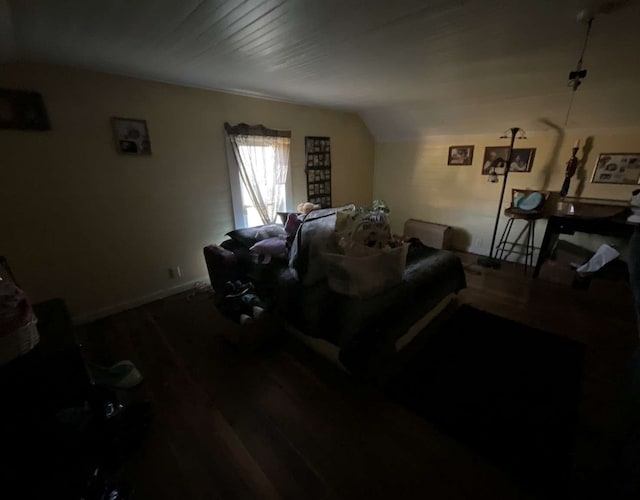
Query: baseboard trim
point(81, 319)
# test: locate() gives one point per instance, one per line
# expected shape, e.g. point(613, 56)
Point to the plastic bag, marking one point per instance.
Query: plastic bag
point(602, 257)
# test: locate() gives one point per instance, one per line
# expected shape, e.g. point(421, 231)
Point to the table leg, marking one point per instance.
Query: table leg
point(551, 234)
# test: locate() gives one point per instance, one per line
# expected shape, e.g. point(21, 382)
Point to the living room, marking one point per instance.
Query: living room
point(394, 87)
point(130, 196)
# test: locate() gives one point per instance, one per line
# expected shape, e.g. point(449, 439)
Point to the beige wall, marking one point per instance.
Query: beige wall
point(415, 181)
point(99, 229)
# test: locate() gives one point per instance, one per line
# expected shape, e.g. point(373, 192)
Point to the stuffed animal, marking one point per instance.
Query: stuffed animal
point(306, 207)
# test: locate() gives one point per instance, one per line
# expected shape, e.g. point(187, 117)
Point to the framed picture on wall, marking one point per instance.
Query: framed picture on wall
point(22, 110)
point(495, 159)
point(617, 168)
point(522, 160)
point(460, 155)
point(131, 136)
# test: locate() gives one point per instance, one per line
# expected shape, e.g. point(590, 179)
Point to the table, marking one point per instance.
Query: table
point(607, 218)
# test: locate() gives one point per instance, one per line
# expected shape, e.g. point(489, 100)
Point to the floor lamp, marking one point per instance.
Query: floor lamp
point(492, 261)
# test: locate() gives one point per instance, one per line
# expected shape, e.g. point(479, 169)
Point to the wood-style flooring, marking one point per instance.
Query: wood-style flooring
point(282, 422)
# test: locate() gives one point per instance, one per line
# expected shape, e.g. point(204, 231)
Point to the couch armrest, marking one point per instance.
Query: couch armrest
point(429, 233)
point(222, 266)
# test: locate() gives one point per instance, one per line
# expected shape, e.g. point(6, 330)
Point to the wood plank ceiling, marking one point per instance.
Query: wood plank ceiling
point(409, 67)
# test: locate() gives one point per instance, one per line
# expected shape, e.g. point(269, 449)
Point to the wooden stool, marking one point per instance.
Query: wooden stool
point(530, 216)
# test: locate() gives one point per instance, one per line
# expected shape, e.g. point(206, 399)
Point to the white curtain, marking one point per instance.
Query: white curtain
point(262, 156)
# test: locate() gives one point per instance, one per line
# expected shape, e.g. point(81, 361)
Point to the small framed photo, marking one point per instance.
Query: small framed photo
point(460, 155)
point(617, 168)
point(494, 159)
point(131, 136)
point(522, 159)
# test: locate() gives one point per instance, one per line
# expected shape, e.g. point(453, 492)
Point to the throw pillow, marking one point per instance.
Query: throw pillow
point(271, 247)
point(249, 236)
point(291, 226)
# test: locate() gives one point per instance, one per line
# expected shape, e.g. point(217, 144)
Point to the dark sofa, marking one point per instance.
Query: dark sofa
point(363, 330)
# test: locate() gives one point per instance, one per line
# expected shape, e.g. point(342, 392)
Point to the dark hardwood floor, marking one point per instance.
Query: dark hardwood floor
point(281, 422)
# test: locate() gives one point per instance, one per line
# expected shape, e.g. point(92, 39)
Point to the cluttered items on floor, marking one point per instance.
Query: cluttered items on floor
point(240, 303)
point(121, 375)
point(64, 435)
point(251, 322)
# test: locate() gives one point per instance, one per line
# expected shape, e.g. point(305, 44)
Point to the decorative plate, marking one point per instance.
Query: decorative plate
point(530, 201)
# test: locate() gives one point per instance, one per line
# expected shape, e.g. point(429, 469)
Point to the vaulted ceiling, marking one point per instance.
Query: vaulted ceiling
point(410, 68)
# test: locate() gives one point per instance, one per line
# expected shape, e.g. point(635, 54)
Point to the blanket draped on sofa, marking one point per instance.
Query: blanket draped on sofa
point(363, 328)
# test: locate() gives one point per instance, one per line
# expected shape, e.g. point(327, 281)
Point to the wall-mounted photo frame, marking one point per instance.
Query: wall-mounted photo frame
point(495, 159)
point(318, 154)
point(22, 110)
point(460, 155)
point(131, 136)
point(522, 159)
point(617, 168)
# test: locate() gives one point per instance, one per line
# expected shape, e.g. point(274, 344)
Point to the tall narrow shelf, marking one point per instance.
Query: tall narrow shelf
point(318, 169)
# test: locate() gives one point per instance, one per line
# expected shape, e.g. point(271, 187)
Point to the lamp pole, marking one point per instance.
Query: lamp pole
point(492, 261)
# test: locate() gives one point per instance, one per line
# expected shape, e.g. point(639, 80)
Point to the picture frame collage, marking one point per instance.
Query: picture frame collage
point(319, 153)
point(318, 169)
point(494, 159)
point(321, 183)
point(495, 156)
point(610, 168)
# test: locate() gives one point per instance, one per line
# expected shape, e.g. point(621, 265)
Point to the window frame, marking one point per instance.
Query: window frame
point(235, 182)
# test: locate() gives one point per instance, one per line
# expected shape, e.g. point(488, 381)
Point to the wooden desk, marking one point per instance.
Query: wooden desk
point(607, 219)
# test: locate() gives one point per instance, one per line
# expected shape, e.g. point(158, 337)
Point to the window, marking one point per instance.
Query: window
point(258, 170)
